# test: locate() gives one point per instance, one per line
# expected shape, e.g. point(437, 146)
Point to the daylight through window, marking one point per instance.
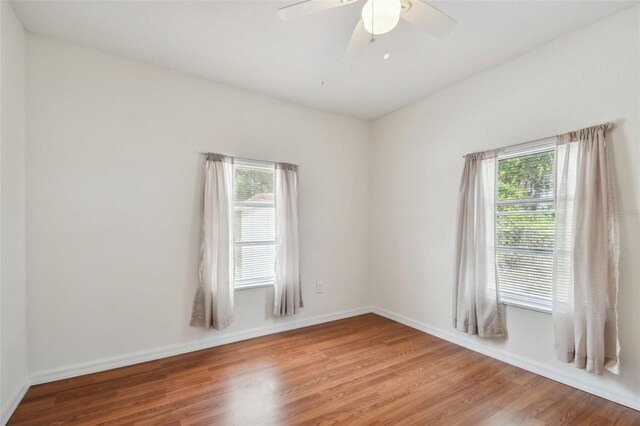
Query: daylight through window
point(254, 223)
point(525, 227)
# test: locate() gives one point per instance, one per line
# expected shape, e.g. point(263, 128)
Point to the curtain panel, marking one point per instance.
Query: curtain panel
point(585, 269)
point(476, 308)
point(287, 288)
point(213, 303)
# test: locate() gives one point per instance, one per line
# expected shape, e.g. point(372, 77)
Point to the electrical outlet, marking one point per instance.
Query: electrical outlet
point(319, 287)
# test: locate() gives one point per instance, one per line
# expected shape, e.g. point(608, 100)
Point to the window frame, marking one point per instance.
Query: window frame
point(259, 282)
point(537, 147)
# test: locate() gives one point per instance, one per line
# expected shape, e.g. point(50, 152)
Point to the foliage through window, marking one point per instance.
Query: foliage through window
point(254, 223)
point(525, 227)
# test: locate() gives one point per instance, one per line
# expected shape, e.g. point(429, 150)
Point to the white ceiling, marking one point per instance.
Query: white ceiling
point(244, 44)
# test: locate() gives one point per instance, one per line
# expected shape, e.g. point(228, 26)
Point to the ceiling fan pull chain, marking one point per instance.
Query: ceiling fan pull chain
point(373, 37)
point(387, 54)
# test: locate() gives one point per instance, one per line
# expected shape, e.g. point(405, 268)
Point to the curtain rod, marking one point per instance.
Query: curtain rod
point(541, 139)
point(251, 160)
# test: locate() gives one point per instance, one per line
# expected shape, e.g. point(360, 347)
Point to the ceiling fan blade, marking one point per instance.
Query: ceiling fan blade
point(309, 7)
point(359, 41)
point(427, 18)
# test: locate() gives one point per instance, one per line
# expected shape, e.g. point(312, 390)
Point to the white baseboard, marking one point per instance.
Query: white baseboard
point(12, 403)
point(527, 364)
point(168, 351)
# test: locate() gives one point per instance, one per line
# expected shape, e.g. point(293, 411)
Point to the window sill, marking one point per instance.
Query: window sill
point(256, 285)
point(521, 305)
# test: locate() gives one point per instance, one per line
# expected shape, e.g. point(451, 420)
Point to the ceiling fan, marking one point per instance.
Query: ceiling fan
point(378, 17)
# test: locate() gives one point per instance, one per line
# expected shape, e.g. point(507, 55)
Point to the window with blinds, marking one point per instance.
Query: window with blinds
point(254, 223)
point(525, 227)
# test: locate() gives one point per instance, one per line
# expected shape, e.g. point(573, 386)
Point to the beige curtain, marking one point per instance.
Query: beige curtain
point(475, 306)
point(287, 291)
point(213, 304)
point(585, 270)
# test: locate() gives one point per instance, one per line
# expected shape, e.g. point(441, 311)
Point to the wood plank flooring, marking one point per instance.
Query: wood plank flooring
point(363, 370)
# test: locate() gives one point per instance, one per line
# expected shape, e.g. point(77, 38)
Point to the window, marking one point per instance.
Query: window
point(525, 226)
point(254, 223)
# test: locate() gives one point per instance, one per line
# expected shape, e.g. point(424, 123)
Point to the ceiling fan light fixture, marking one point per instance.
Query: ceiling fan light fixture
point(381, 16)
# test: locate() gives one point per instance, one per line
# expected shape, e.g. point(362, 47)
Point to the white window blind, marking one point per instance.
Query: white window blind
point(525, 226)
point(254, 223)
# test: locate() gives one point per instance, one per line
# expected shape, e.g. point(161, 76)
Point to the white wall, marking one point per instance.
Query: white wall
point(589, 77)
point(114, 187)
point(13, 304)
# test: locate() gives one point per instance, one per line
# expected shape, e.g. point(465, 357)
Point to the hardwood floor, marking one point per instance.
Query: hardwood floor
point(365, 370)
